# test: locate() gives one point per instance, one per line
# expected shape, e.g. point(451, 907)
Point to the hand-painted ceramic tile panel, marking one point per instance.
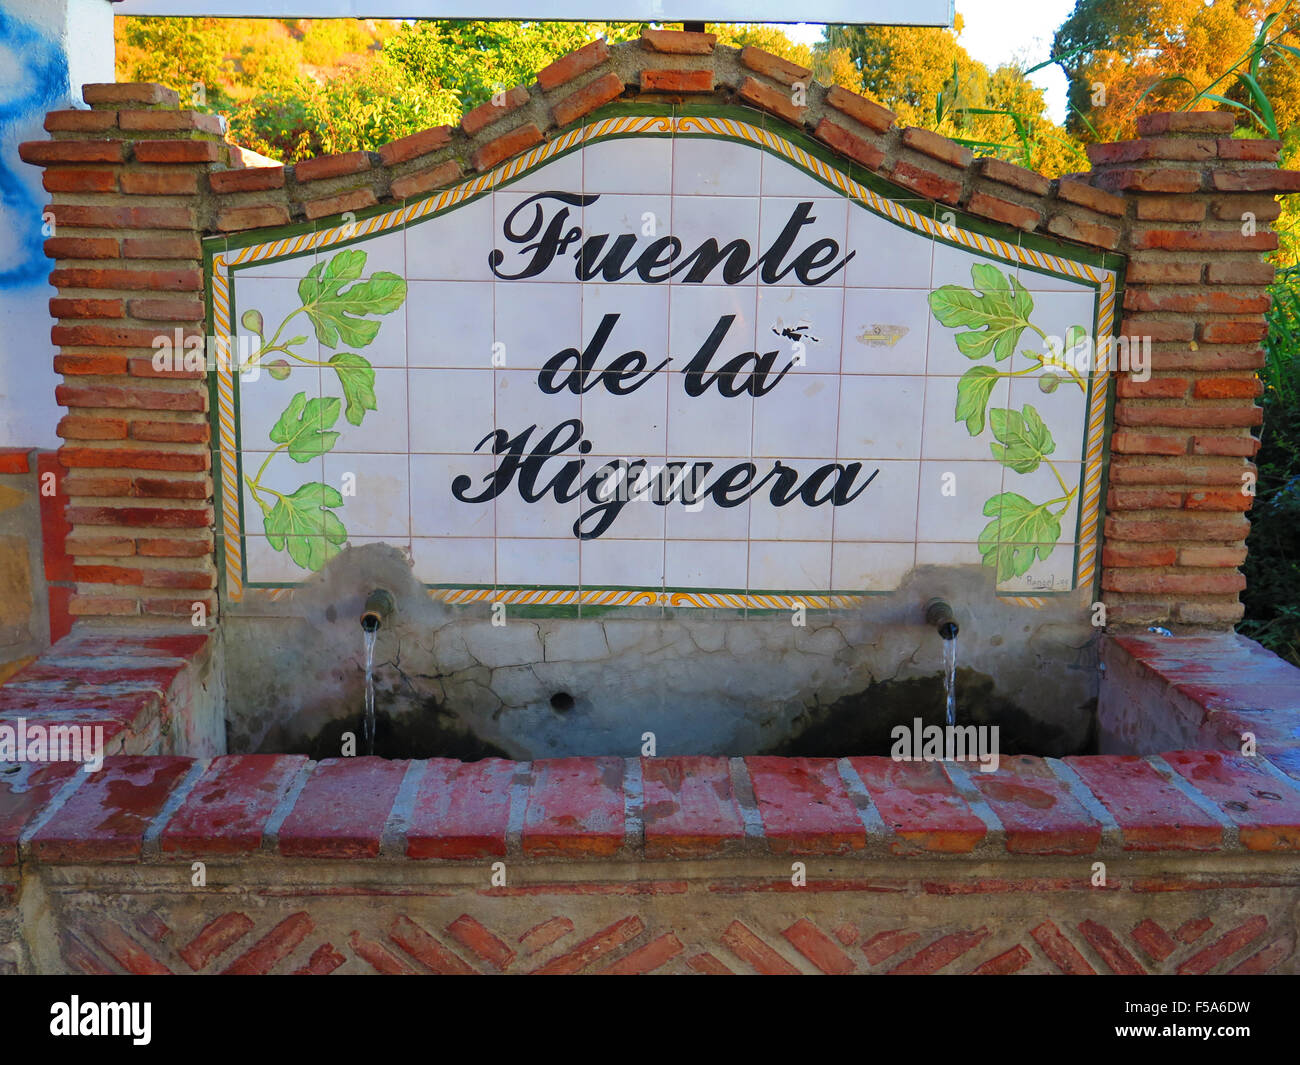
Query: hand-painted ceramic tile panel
point(674, 361)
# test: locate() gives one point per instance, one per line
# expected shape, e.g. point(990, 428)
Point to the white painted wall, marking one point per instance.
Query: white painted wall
point(48, 50)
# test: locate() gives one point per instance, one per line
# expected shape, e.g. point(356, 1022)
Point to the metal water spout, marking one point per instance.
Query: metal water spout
point(377, 610)
point(939, 615)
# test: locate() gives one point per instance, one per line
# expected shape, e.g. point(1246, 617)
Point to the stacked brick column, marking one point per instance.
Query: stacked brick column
point(1180, 470)
point(125, 180)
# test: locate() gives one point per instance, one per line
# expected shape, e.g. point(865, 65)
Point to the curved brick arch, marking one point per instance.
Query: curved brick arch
point(136, 185)
point(667, 67)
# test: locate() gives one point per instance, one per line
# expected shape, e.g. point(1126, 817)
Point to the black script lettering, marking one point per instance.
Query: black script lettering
point(552, 243)
point(620, 377)
point(729, 377)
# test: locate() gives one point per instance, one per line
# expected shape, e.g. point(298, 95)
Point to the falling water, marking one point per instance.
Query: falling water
point(368, 729)
point(950, 678)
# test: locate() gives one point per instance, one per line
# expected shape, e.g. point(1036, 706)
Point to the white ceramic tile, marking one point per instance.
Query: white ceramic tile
point(789, 565)
point(782, 178)
point(451, 411)
point(943, 436)
point(949, 554)
point(1055, 313)
point(793, 519)
point(885, 331)
point(888, 255)
point(857, 567)
point(1064, 411)
point(384, 252)
point(263, 564)
point(452, 561)
point(534, 323)
point(726, 220)
point(1037, 281)
point(630, 223)
point(693, 513)
point(705, 166)
point(277, 301)
point(880, 417)
point(819, 252)
point(952, 265)
point(546, 517)
point(1041, 486)
point(641, 325)
point(559, 175)
point(705, 564)
point(798, 419)
point(450, 323)
point(454, 245)
point(626, 488)
point(381, 429)
point(281, 475)
point(622, 563)
point(884, 507)
point(697, 310)
point(952, 496)
point(521, 404)
point(381, 503)
point(526, 563)
point(263, 401)
point(804, 324)
point(635, 425)
point(435, 509)
point(643, 164)
point(709, 425)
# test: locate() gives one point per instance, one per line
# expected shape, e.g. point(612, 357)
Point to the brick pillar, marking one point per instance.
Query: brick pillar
point(1198, 206)
point(127, 180)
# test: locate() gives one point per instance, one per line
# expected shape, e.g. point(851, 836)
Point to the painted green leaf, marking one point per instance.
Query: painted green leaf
point(304, 426)
point(973, 392)
point(337, 302)
point(1019, 531)
point(1023, 439)
point(357, 380)
point(303, 523)
point(996, 312)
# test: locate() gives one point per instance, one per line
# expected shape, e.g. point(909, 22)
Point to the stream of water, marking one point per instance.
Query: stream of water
point(368, 726)
point(950, 678)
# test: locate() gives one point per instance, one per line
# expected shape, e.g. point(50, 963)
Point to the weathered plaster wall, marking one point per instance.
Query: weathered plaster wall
point(702, 685)
point(48, 50)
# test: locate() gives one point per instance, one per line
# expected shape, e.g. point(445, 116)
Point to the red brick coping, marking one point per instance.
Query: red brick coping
point(648, 809)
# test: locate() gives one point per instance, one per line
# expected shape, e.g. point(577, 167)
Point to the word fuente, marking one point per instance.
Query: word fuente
point(540, 224)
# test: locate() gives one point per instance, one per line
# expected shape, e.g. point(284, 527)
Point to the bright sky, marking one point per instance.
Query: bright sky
point(1002, 31)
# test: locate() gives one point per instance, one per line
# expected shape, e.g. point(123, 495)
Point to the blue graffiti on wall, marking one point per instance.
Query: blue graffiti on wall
point(33, 79)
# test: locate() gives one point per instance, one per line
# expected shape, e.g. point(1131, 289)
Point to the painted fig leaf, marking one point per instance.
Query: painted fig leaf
point(1019, 531)
point(996, 312)
point(303, 523)
point(304, 426)
point(357, 380)
point(973, 392)
point(337, 301)
point(1023, 440)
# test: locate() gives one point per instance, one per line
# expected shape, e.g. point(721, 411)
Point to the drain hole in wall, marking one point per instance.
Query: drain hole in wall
point(561, 701)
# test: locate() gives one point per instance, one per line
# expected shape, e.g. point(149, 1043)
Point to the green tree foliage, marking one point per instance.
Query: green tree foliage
point(930, 80)
point(294, 88)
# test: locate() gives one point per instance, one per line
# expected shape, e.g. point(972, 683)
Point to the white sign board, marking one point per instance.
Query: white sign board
point(661, 360)
point(872, 12)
